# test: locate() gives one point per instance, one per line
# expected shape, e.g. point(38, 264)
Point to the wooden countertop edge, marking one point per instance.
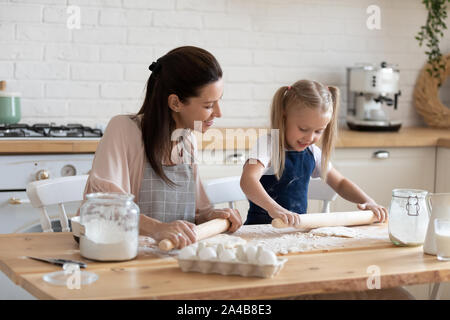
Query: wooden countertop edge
point(47, 146)
point(269, 291)
point(432, 271)
point(226, 139)
point(320, 287)
point(444, 143)
point(261, 293)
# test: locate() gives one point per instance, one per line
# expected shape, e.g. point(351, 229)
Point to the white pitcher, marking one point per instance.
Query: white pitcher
point(439, 207)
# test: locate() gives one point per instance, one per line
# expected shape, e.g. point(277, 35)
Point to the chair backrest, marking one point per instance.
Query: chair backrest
point(224, 190)
point(229, 190)
point(320, 190)
point(56, 191)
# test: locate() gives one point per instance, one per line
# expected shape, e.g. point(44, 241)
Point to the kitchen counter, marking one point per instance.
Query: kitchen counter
point(152, 277)
point(35, 146)
point(227, 139)
point(406, 137)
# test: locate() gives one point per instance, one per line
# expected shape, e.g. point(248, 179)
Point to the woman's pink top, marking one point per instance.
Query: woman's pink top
point(120, 159)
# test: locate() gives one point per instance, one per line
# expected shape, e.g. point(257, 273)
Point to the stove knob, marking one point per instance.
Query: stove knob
point(42, 175)
point(68, 170)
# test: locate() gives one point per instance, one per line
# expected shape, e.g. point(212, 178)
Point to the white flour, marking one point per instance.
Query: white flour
point(289, 240)
point(106, 241)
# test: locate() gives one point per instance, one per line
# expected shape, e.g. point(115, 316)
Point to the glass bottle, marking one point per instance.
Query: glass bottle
point(109, 227)
point(408, 217)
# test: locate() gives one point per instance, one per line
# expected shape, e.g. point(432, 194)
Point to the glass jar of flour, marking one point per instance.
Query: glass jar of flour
point(109, 227)
point(408, 217)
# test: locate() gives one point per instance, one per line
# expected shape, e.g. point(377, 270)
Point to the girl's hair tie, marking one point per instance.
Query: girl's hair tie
point(289, 87)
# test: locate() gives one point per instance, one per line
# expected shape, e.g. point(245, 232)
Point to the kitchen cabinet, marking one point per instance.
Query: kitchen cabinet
point(378, 171)
point(442, 170)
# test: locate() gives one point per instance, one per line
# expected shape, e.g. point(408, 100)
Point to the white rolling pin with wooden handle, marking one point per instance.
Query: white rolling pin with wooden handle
point(318, 220)
point(204, 230)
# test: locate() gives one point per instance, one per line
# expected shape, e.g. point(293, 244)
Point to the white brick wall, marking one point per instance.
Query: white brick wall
point(91, 74)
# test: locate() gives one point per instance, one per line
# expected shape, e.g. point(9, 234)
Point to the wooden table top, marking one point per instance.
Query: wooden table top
point(152, 277)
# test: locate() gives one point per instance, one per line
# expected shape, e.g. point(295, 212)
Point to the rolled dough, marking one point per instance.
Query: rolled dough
point(343, 232)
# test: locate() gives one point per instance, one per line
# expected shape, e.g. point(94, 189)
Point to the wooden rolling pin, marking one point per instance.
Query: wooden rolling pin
point(317, 220)
point(204, 230)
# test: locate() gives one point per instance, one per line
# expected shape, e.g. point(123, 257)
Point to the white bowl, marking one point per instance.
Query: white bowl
point(76, 227)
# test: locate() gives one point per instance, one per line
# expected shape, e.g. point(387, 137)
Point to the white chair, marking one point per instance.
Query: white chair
point(228, 189)
point(223, 190)
point(320, 190)
point(56, 191)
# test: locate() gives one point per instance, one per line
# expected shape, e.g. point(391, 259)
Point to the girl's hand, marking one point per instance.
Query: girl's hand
point(181, 233)
point(380, 212)
point(226, 213)
point(288, 217)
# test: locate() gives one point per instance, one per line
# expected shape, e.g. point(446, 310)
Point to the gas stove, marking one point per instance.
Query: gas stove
point(48, 130)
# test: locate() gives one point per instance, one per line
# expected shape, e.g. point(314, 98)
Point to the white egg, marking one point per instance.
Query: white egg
point(251, 254)
point(188, 252)
point(227, 255)
point(240, 253)
point(220, 249)
point(200, 246)
point(207, 253)
point(267, 257)
point(258, 252)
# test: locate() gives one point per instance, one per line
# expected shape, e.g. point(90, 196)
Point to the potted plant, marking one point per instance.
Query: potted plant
point(437, 69)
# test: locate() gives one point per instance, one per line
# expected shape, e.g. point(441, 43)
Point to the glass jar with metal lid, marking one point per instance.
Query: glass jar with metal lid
point(109, 228)
point(408, 217)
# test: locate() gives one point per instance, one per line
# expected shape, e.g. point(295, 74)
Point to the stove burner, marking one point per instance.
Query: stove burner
point(73, 130)
point(12, 133)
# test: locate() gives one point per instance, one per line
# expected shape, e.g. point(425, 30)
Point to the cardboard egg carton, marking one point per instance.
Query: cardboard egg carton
point(239, 268)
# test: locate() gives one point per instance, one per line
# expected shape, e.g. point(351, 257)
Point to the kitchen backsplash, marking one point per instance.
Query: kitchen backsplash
point(92, 73)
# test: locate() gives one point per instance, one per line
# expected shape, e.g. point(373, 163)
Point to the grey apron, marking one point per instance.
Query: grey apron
point(160, 201)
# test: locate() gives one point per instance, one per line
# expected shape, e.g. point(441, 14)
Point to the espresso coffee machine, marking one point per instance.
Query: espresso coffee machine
point(370, 89)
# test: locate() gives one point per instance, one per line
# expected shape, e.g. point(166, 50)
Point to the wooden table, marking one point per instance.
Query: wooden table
point(150, 277)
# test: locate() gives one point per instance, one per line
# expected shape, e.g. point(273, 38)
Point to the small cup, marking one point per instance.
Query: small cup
point(442, 236)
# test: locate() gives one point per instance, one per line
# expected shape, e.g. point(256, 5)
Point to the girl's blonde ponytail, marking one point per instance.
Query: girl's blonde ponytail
point(277, 122)
point(330, 134)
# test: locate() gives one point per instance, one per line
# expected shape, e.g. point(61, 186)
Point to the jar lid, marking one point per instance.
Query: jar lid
point(108, 196)
point(406, 193)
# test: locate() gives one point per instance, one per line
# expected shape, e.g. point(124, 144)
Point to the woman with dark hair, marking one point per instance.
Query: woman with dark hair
point(151, 154)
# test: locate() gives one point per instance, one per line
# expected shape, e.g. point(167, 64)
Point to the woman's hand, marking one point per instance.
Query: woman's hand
point(379, 211)
point(181, 233)
point(288, 217)
point(231, 214)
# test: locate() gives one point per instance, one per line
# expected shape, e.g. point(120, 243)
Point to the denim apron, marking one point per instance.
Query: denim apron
point(291, 191)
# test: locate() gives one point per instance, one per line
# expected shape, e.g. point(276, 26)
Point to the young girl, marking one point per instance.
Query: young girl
point(150, 154)
point(276, 176)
